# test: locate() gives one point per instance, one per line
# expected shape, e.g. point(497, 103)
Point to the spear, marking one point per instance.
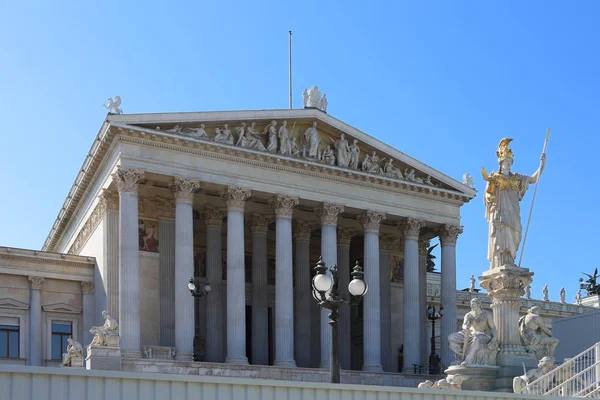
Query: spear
point(537, 183)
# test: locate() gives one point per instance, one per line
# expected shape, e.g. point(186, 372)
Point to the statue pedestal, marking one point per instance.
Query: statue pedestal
point(591, 301)
point(103, 357)
point(505, 286)
point(481, 377)
point(77, 362)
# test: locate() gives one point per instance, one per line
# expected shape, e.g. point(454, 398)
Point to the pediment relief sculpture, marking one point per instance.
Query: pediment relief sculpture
point(304, 142)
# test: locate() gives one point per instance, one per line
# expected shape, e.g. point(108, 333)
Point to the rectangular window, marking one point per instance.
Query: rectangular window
point(9, 341)
point(61, 331)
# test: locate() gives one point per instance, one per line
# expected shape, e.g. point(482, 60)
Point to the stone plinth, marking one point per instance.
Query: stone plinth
point(505, 286)
point(591, 301)
point(481, 377)
point(77, 362)
point(103, 357)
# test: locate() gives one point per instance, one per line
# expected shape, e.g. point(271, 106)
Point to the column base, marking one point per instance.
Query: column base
point(285, 363)
point(184, 357)
point(372, 368)
point(236, 360)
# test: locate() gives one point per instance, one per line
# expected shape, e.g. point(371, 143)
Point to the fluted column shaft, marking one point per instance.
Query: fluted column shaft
point(425, 332)
point(412, 312)
point(371, 221)
point(184, 189)
point(235, 199)
point(127, 182)
point(302, 295)
point(213, 218)
point(328, 214)
point(284, 284)
point(107, 290)
point(166, 265)
point(260, 288)
point(448, 237)
point(87, 294)
point(34, 357)
point(343, 255)
point(385, 292)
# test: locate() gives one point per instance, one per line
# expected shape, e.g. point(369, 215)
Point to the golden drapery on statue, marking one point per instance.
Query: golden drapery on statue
point(503, 192)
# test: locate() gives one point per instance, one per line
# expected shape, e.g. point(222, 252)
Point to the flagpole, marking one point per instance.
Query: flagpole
point(290, 65)
point(537, 183)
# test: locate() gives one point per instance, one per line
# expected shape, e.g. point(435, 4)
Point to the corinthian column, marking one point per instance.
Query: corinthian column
point(260, 307)
point(328, 214)
point(235, 198)
point(371, 220)
point(183, 190)
point(107, 295)
point(127, 181)
point(412, 314)
point(284, 284)
point(385, 294)
point(448, 236)
point(87, 292)
point(343, 255)
point(35, 321)
point(303, 294)
point(424, 339)
point(213, 219)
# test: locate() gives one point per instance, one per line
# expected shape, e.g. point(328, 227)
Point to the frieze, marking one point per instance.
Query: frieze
point(89, 227)
point(156, 207)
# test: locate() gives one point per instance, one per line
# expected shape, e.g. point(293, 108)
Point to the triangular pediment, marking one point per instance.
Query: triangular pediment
point(223, 129)
point(62, 308)
point(13, 304)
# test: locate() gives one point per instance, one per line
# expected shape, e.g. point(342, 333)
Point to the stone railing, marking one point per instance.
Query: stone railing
point(158, 352)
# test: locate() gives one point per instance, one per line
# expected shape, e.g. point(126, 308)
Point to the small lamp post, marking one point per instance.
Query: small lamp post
point(434, 359)
point(198, 343)
point(326, 292)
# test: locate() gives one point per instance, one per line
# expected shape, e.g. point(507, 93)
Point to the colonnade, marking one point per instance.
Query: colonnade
point(226, 335)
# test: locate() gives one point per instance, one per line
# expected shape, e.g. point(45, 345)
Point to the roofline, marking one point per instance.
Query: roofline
point(48, 255)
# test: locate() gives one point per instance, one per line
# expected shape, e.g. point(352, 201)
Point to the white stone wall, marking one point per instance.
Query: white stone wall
point(95, 248)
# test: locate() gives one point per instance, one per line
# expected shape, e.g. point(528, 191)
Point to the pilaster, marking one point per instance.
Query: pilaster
point(35, 321)
point(87, 294)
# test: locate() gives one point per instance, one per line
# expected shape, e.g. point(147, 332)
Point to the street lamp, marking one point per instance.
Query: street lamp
point(198, 343)
point(326, 292)
point(434, 359)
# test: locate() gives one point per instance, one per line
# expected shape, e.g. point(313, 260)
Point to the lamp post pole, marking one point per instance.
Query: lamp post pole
point(197, 293)
point(326, 292)
point(434, 359)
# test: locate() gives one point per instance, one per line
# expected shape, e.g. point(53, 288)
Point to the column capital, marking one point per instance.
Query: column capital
point(328, 213)
point(302, 230)
point(108, 200)
point(449, 234)
point(184, 189)
point(213, 217)
point(128, 180)
point(424, 247)
point(411, 227)
point(260, 223)
point(36, 282)
point(87, 287)
point(235, 197)
point(344, 236)
point(371, 220)
point(283, 205)
point(388, 242)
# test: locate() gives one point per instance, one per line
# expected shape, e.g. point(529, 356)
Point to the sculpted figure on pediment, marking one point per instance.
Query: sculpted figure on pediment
point(409, 173)
point(312, 139)
point(328, 157)
point(354, 154)
point(342, 151)
point(285, 146)
point(271, 131)
point(199, 133)
point(253, 138)
point(223, 136)
point(175, 129)
point(390, 170)
point(371, 164)
point(294, 149)
point(241, 131)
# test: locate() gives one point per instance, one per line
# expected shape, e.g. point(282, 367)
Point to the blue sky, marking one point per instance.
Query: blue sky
point(442, 81)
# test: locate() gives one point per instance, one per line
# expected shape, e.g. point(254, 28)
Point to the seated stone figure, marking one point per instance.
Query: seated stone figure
point(107, 334)
point(476, 344)
point(452, 382)
point(544, 366)
point(536, 338)
point(74, 349)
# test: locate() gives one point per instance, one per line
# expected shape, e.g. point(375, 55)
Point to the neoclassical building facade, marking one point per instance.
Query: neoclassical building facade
point(247, 201)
